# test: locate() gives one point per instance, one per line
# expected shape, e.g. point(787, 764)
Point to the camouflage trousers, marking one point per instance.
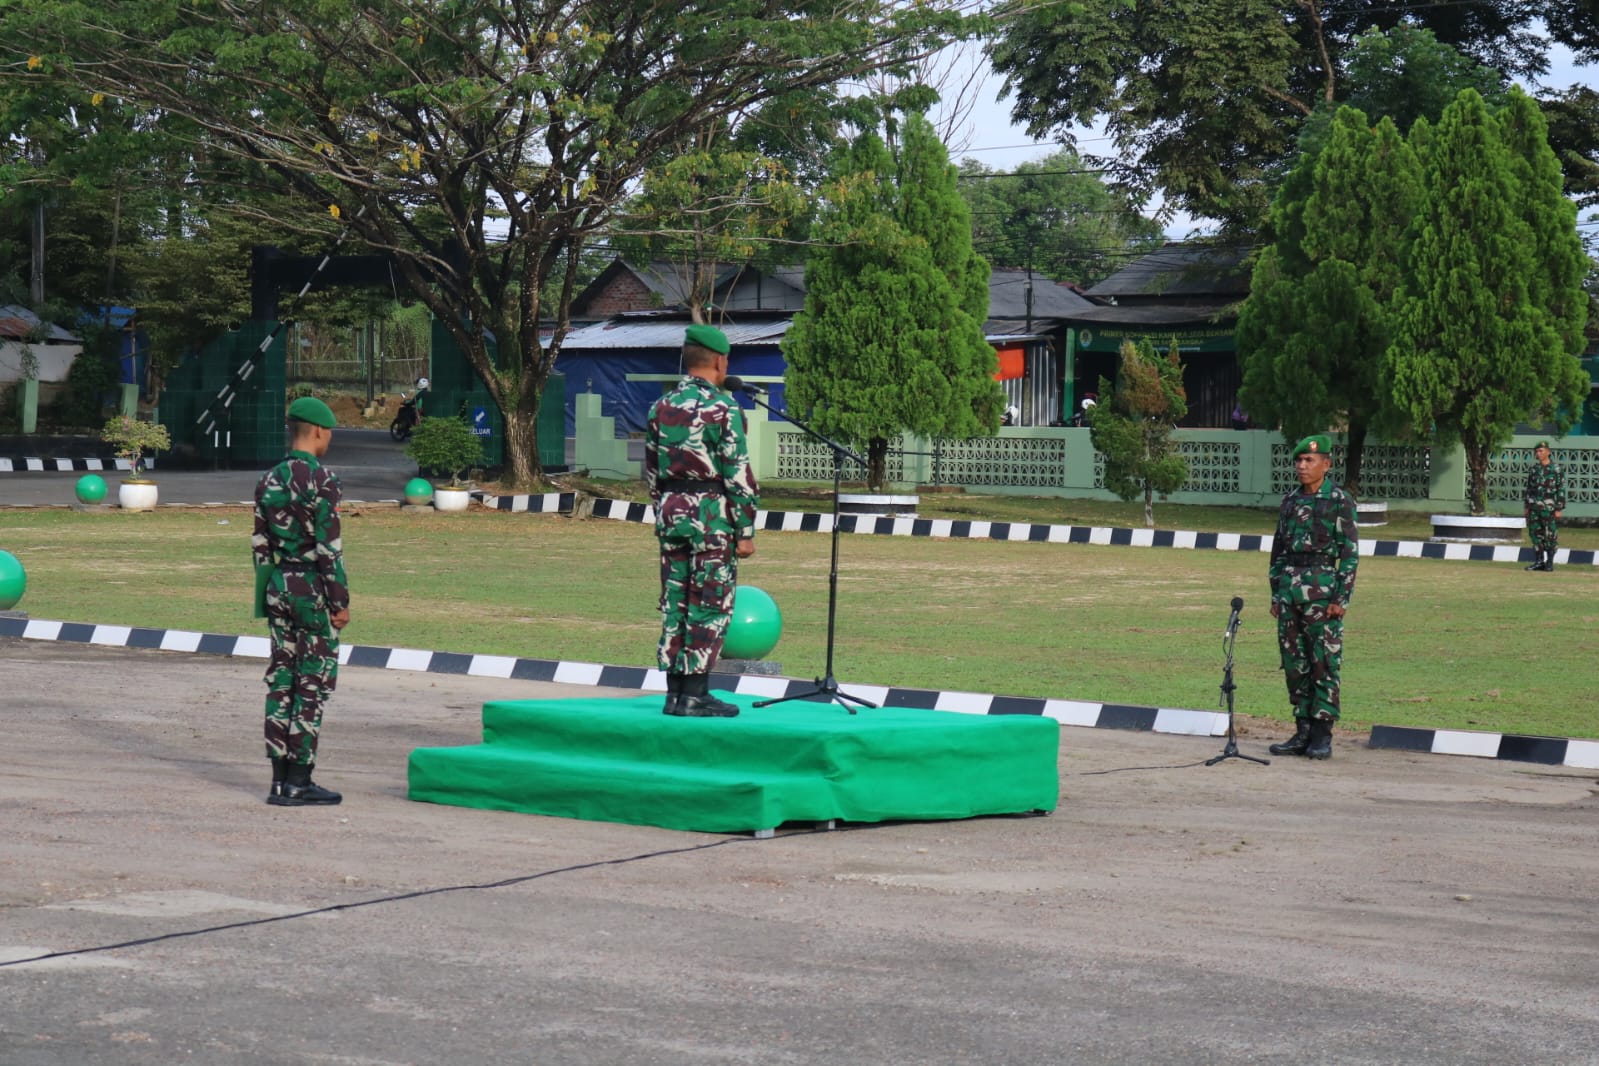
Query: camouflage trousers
point(300, 675)
point(697, 586)
point(1543, 529)
point(1312, 646)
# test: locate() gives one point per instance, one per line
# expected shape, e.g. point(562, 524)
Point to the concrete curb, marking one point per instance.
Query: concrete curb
point(1067, 712)
point(23, 465)
point(795, 521)
point(1548, 751)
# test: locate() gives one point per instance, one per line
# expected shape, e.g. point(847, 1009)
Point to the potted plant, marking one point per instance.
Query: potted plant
point(446, 446)
point(131, 438)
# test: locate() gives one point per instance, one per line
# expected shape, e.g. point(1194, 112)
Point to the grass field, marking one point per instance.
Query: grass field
point(1450, 645)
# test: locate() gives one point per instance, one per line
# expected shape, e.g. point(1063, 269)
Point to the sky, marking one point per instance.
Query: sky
point(989, 136)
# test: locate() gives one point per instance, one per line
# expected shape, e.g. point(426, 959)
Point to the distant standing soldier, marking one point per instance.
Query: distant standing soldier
point(302, 593)
point(1313, 559)
point(697, 465)
point(1545, 499)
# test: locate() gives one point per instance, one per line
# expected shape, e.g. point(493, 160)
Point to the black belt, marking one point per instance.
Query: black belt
point(1307, 559)
point(686, 484)
point(294, 564)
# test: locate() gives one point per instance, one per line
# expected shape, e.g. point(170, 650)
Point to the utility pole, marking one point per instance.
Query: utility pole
point(36, 271)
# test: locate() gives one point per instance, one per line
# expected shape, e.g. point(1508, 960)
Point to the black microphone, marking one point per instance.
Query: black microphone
point(738, 384)
point(1232, 620)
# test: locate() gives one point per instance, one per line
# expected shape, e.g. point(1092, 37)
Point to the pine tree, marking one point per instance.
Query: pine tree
point(891, 337)
point(1315, 326)
point(1482, 326)
point(1133, 423)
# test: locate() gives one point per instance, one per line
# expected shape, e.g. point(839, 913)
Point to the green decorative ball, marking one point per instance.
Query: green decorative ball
point(755, 627)
point(91, 488)
point(418, 491)
point(13, 580)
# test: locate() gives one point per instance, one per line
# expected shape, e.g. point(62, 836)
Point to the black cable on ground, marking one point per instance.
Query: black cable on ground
point(507, 882)
point(1125, 769)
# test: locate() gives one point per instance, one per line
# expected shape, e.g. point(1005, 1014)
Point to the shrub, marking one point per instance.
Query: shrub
point(445, 445)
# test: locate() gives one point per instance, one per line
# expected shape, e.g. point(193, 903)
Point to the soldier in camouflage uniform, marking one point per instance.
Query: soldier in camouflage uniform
point(1545, 499)
point(697, 465)
point(1313, 559)
point(302, 593)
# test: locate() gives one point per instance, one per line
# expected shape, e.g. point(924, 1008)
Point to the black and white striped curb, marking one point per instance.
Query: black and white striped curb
point(880, 525)
point(967, 529)
point(546, 503)
point(1067, 712)
point(1549, 751)
point(25, 465)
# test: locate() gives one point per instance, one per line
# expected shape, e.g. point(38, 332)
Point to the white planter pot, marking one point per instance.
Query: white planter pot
point(1478, 529)
point(137, 495)
point(1371, 513)
point(451, 499)
point(877, 504)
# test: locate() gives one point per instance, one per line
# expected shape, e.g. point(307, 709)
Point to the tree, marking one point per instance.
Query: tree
point(1132, 425)
point(480, 144)
point(1312, 333)
point(1053, 215)
point(715, 204)
point(891, 337)
point(1202, 101)
point(1481, 328)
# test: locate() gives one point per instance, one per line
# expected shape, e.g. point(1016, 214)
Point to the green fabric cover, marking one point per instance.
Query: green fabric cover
point(622, 760)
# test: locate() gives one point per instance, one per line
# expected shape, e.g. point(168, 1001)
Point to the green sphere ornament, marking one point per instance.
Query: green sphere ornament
point(91, 488)
point(418, 491)
point(13, 580)
point(755, 627)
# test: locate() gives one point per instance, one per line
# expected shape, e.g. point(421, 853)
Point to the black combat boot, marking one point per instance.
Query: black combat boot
point(280, 773)
point(300, 791)
point(1549, 561)
point(674, 693)
point(697, 701)
point(1320, 746)
point(1537, 560)
point(1296, 744)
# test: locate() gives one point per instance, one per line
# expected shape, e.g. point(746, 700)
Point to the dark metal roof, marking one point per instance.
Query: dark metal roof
point(1159, 315)
point(1181, 270)
point(1007, 297)
point(17, 322)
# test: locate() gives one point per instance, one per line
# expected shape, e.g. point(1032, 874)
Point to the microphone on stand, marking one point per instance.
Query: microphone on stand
point(1232, 619)
point(738, 384)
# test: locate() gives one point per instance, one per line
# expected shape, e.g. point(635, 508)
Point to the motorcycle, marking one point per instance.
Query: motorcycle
point(409, 415)
point(405, 421)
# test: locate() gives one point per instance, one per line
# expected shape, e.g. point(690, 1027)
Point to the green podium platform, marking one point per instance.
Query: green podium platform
point(622, 760)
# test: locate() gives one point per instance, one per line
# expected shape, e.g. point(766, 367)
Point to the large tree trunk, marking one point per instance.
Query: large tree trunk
point(1354, 452)
point(524, 469)
point(877, 464)
point(1477, 483)
point(1149, 505)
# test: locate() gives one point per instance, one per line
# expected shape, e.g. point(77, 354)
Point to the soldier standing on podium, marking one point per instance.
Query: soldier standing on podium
point(697, 466)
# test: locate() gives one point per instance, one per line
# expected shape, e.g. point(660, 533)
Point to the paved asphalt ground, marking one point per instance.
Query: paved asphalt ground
point(1382, 907)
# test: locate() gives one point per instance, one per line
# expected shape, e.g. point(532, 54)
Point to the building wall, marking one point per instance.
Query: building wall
point(625, 293)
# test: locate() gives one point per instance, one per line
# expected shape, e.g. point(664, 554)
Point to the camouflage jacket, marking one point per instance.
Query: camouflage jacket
point(297, 523)
point(1546, 487)
point(697, 465)
point(1316, 548)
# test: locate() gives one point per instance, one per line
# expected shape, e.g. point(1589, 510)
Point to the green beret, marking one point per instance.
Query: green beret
point(1540, 444)
point(706, 337)
point(312, 410)
point(1316, 443)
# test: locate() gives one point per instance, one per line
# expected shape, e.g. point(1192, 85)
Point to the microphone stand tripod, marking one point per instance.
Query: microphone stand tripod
point(825, 685)
point(1230, 749)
